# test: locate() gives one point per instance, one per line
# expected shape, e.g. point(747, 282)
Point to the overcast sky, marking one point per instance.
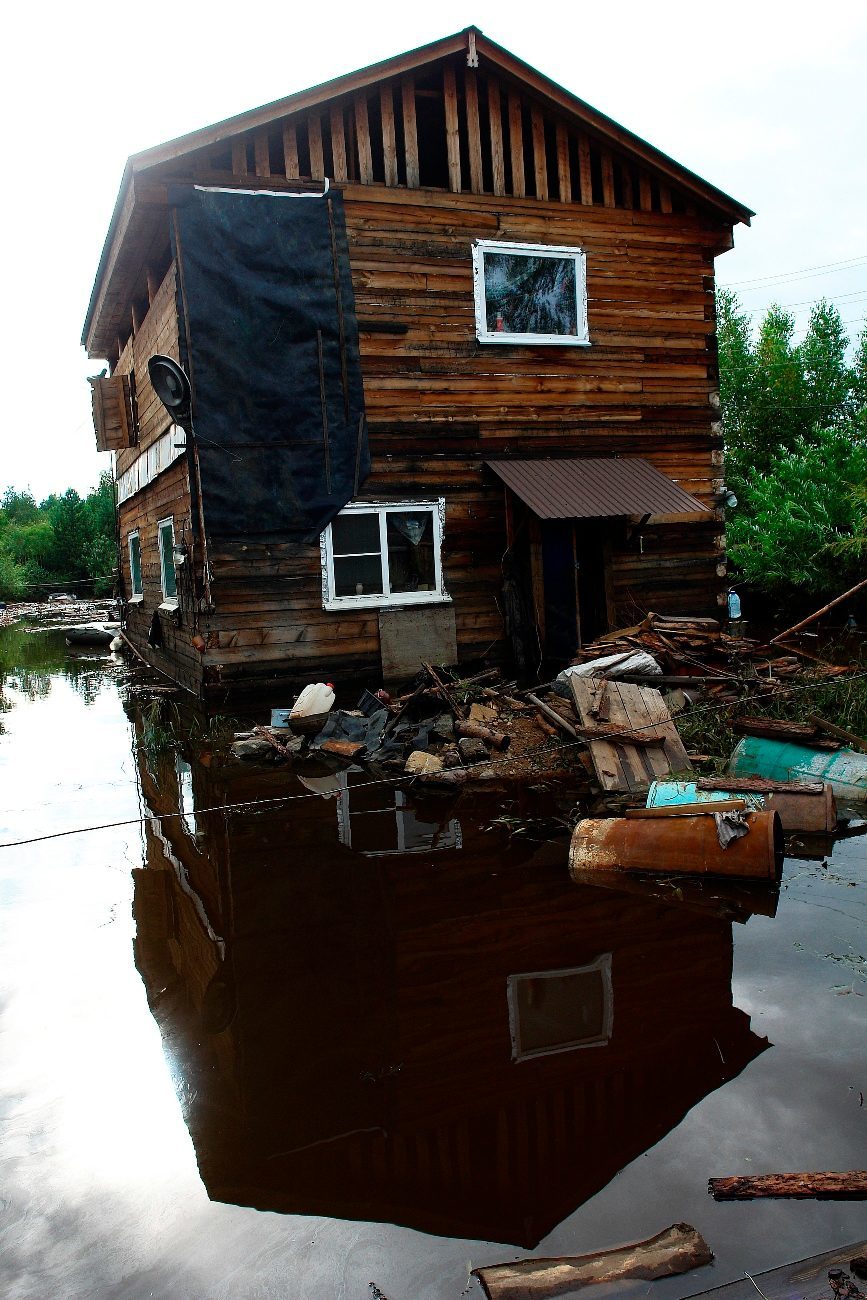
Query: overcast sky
point(766, 100)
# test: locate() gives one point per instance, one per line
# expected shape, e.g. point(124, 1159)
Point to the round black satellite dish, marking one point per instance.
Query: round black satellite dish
point(170, 385)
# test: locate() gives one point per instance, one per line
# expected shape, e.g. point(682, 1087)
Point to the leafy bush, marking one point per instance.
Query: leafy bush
point(795, 427)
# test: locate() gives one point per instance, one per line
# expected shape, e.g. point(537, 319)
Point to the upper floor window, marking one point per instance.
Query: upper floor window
point(530, 293)
point(383, 555)
point(168, 577)
point(135, 576)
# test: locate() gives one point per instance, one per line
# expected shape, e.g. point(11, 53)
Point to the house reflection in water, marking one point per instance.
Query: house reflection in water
point(382, 1012)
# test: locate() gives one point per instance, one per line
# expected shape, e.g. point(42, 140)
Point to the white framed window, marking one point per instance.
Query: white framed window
point(136, 581)
point(168, 576)
point(376, 553)
point(560, 1010)
point(530, 293)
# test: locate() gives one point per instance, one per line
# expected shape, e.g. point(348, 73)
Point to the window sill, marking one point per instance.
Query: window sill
point(535, 340)
point(408, 601)
point(170, 604)
point(136, 600)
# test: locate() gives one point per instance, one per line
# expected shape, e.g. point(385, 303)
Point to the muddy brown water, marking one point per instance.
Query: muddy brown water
point(357, 1043)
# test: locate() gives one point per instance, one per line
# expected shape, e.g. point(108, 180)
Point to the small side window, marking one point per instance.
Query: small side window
point(135, 574)
point(166, 541)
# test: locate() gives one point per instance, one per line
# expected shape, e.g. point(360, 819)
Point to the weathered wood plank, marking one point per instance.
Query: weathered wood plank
point(239, 156)
point(389, 140)
point(607, 178)
point(314, 138)
point(410, 132)
point(261, 153)
point(362, 134)
point(290, 151)
point(496, 131)
point(645, 193)
point(540, 164)
point(474, 137)
point(585, 170)
point(564, 176)
point(338, 143)
point(453, 147)
point(516, 144)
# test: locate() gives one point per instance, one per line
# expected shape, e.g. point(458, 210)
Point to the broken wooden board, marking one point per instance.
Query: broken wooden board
point(807, 1278)
point(676, 1250)
point(622, 765)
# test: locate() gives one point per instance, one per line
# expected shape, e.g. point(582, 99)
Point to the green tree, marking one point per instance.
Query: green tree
point(795, 427)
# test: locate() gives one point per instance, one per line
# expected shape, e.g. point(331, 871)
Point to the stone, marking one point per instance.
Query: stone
point(482, 713)
point(472, 751)
point(254, 750)
point(420, 762)
point(444, 727)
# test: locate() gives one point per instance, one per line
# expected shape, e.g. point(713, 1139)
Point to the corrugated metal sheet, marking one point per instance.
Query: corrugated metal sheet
point(594, 488)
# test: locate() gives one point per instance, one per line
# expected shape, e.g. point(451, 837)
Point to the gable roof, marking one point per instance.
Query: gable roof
point(480, 52)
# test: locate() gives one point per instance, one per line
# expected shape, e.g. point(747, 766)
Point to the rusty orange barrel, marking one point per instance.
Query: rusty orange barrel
point(683, 845)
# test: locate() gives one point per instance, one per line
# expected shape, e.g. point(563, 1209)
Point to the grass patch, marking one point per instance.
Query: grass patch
point(706, 728)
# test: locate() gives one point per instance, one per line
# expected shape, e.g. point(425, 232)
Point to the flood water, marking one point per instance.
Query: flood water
point(352, 1045)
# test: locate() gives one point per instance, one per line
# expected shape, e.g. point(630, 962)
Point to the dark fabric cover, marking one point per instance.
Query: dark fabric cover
point(270, 342)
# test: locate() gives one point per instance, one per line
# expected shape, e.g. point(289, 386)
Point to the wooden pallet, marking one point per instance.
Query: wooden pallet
point(623, 765)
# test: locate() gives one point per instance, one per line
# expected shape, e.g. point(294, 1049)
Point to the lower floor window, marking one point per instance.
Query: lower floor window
point(383, 555)
point(136, 584)
point(166, 536)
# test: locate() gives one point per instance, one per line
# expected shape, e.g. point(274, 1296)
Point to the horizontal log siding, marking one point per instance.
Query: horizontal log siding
point(439, 403)
point(158, 333)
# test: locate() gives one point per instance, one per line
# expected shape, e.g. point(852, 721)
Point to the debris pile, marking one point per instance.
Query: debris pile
point(698, 653)
point(446, 731)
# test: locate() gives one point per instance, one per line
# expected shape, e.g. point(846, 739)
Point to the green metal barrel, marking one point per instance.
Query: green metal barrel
point(845, 770)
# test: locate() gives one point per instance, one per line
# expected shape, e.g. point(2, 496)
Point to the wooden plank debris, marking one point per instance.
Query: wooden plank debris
point(676, 1250)
point(850, 1185)
point(620, 762)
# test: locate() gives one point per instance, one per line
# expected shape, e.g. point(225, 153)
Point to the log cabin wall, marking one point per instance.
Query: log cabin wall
point(165, 496)
point(428, 162)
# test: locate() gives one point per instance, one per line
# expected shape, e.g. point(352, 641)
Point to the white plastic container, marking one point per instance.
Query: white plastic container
point(317, 697)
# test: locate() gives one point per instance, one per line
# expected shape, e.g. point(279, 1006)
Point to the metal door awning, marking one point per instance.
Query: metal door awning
point(594, 487)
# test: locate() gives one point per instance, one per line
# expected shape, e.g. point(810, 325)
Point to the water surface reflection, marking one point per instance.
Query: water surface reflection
point(380, 1014)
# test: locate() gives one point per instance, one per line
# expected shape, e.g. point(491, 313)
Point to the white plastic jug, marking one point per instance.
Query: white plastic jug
point(317, 697)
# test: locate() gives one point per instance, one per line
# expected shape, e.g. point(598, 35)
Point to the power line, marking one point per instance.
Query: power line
point(804, 272)
point(251, 804)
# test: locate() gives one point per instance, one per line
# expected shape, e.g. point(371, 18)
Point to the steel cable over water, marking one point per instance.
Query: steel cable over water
point(251, 804)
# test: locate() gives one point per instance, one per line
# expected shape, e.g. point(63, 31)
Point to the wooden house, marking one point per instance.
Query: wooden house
point(402, 1018)
point(450, 334)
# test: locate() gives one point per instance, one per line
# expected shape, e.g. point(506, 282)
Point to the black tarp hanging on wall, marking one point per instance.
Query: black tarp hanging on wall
point(269, 339)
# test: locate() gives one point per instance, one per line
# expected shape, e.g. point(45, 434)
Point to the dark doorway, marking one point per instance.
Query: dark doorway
point(574, 556)
point(591, 558)
point(559, 576)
